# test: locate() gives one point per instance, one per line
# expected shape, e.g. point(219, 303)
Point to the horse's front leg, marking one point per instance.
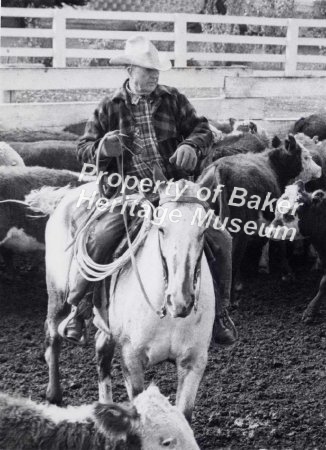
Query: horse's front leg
point(52, 352)
point(133, 370)
point(191, 367)
point(104, 354)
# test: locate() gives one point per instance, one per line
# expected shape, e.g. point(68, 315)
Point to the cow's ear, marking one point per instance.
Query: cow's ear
point(315, 139)
point(116, 419)
point(253, 127)
point(276, 142)
point(291, 144)
point(301, 186)
point(318, 196)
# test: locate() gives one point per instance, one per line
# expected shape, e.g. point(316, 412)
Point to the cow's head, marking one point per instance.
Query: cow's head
point(293, 161)
point(151, 420)
point(285, 226)
point(162, 425)
point(245, 126)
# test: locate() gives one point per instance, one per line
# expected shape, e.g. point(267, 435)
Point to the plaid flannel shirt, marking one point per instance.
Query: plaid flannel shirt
point(174, 121)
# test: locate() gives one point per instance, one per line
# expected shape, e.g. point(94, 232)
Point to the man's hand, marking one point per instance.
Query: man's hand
point(184, 158)
point(110, 146)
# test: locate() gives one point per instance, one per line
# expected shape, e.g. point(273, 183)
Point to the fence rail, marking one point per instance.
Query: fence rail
point(284, 50)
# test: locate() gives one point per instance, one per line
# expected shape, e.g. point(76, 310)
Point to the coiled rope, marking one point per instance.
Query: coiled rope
point(93, 271)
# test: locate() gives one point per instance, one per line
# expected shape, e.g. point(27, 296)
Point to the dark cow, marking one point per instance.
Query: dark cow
point(19, 230)
point(313, 125)
point(233, 144)
point(251, 184)
point(51, 154)
point(300, 214)
point(28, 135)
point(149, 423)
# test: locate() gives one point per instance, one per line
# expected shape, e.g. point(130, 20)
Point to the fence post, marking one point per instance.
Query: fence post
point(59, 38)
point(292, 37)
point(180, 43)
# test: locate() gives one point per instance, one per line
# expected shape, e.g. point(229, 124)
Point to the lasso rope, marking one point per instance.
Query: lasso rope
point(93, 271)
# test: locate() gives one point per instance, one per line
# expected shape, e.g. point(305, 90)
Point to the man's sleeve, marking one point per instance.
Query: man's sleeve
point(194, 129)
point(97, 126)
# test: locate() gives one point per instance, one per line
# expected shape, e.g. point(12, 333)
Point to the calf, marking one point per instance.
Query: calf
point(51, 154)
point(317, 150)
point(9, 157)
point(313, 125)
point(251, 182)
point(19, 231)
point(149, 423)
point(303, 215)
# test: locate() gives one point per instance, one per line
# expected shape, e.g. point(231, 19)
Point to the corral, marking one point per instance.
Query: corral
point(265, 392)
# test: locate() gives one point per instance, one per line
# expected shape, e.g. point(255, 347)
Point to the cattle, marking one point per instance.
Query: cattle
point(300, 214)
point(50, 153)
point(19, 230)
point(233, 144)
point(9, 157)
point(29, 135)
point(250, 185)
point(150, 422)
point(317, 150)
point(313, 125)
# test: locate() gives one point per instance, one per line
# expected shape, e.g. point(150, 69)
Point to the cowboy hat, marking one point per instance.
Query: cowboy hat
point(139, 51)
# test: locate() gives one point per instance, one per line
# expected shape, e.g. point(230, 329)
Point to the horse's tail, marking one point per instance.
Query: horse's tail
point(46, 199)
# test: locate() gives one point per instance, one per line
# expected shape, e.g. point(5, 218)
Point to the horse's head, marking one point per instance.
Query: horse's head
point(181, 242)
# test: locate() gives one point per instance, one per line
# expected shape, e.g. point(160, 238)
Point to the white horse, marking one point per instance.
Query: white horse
point(174, 272)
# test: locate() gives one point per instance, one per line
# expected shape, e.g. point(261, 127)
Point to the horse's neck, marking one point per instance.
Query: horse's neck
point(150, 269)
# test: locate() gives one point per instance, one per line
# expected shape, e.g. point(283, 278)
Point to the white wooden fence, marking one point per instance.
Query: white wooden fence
point(288, 57)
point(275, 102)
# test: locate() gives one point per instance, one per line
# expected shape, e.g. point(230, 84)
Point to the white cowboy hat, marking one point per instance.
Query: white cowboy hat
point(139, 51)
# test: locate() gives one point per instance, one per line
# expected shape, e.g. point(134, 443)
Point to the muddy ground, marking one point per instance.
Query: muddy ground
point(268, 392)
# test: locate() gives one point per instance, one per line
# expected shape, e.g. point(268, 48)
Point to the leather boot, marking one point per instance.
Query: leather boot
point(224, 331)
point(73, 327)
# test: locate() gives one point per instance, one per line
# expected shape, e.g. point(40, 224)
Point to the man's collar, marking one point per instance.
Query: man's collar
point(122, 92)
point(134, 98)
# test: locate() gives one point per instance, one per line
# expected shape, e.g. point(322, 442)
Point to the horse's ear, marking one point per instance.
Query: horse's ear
point(208, 178)
point(158, 175)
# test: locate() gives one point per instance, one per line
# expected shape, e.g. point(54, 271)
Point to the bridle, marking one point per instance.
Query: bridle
point(197, 278)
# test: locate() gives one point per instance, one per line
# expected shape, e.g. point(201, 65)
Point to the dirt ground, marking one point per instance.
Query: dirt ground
point(268, 392)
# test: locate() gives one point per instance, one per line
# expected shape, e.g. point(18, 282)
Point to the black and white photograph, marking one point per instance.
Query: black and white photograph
point(163, 225)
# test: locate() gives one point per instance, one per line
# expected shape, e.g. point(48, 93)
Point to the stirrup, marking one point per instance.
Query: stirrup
point(62, 329)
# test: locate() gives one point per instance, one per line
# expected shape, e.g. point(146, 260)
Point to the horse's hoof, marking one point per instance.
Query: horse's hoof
point(54, 396)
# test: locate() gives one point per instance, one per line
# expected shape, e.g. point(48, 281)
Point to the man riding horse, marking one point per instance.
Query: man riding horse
point(146, 124)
